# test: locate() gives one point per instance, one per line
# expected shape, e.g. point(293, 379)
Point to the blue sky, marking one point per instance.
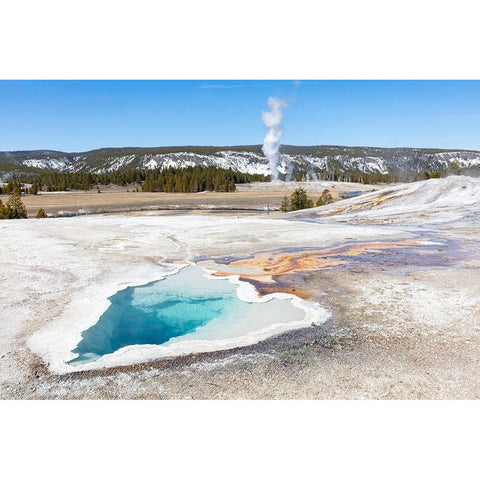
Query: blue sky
point(82, 115)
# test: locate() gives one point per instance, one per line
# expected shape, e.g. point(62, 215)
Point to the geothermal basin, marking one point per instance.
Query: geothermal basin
point(189, 311)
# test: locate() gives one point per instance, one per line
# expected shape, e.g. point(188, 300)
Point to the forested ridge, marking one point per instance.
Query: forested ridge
point(198, 178)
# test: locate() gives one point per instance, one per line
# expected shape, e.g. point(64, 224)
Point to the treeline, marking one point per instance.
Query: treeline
point(196, 179)
point(186, 179)
point(338, 175)
point(301, 173)
point(64, 181)
point(16, 186)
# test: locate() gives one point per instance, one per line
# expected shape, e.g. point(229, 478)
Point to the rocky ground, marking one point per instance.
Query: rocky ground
point(401, 327)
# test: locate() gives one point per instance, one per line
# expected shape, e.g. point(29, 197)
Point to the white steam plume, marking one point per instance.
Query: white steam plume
point(271, 143)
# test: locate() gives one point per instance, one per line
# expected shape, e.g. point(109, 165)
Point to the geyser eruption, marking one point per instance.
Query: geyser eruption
point(271, 143)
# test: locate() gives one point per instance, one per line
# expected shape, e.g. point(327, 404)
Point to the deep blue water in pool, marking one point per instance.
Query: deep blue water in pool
point(156, 312)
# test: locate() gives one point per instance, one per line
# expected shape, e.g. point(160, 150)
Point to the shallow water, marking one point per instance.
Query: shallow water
point(182, 307)
point(427, 250)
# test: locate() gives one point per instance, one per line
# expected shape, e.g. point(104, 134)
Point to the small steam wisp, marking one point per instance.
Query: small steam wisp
point(271, 143)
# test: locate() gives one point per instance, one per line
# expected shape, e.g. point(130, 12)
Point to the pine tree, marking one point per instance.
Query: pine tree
point(325, 198)
point(455, 168)
point(299, 199)
point(41, 214)
point(285, 206)
point(15, 206)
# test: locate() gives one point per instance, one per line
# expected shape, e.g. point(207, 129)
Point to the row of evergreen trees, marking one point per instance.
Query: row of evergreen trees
point(338, 175)
point(366, 178)
point(196, 179)
point(17, 186)
point(187, 179)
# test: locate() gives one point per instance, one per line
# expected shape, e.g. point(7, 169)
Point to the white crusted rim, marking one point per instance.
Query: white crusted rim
point(56, 342)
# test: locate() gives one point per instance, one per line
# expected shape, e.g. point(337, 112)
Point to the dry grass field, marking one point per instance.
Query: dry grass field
point(248, 197)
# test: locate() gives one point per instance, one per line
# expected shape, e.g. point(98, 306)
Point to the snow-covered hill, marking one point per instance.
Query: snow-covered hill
point(295, 161)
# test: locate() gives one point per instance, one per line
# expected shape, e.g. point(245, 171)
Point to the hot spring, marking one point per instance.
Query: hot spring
point(187, 312)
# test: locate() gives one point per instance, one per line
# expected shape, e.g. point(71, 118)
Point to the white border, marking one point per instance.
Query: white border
point(341, 39)
point(239, 440)
point(215, 40)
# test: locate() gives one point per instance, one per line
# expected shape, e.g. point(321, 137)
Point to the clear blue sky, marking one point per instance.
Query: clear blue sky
point(81, 115)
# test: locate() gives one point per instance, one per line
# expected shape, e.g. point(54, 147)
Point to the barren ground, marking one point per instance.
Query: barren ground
point(405, 304)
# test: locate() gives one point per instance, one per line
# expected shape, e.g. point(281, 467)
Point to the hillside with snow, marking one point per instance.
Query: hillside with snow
point(306, 163)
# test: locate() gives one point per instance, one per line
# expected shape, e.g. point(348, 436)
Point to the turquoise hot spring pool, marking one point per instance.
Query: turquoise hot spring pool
point(186, 306)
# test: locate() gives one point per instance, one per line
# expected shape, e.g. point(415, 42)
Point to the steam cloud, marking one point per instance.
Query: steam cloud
point(271, 143)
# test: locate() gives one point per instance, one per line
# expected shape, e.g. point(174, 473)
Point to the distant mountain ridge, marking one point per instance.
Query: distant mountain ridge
point(307, 161)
